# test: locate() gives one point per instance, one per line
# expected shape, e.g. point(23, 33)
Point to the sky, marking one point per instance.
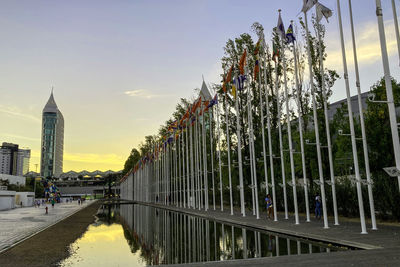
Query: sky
point(120, 67)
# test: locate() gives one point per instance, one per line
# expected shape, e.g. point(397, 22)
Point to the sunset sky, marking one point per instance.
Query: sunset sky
point(119, 67)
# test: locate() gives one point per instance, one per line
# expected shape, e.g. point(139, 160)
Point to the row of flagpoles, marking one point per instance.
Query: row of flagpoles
point(176, 172)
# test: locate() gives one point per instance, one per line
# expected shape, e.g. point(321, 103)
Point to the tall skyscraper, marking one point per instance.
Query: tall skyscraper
point(51, 163)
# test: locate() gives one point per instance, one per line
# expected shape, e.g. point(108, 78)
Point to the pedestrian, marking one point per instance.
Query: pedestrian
point(52, 203)
point(318, 206)
point(270, 211)
point(47, 210)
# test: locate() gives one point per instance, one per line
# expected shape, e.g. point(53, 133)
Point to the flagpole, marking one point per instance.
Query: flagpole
point(389, 90)
point(198, 167)
point(192, 168)
point(212, 154)
point(327, 127)
point(187, 163)
point(271, 156)
point(289, 131)
point(200, 163)
point(179, 171)
point(255, 187)
point(363, 134)
point(175, 172)
point(262, 130)
point(396, 27)
point(219, 158)
point(239, 147)
point(280, 142)
point(205, 159)
point(303, 160)
point(352, 132)
point(250, 155)
point(318, 144)
point(183, 177)
point(229, 152)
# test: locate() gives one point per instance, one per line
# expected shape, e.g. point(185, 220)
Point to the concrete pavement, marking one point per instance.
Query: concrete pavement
point(20, 223)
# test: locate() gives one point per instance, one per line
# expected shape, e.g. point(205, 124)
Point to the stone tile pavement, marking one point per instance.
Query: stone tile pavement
point(379, 247)
point(20, 223)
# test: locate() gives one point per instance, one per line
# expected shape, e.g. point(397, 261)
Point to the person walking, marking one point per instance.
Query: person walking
point(318, 207)
point(270, 211)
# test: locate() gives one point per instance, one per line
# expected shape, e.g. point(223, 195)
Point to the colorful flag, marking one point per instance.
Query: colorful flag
point(257, 48)
point(308, 4)
point(214, 101)
point(256, 69)
point(280, 29)
point(323, 11)
point(242, 62)
point(289, 34)
point(229, 75)
point(233, 92)
point(224, 87)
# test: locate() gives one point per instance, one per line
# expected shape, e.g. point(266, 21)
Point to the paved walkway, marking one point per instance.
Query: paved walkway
point(381, 247)
point(20, 223)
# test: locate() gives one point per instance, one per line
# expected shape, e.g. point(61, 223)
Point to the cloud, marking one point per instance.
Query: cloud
point(94, 158)
point(14, 111)
point(142, 93)
point(21, 137)
point(367, 44)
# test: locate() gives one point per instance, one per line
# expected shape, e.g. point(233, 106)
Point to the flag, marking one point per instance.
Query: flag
point(256, 69)
point(229, 75)
point(240, 81)
point(308, 4)
point(323, 11)
point(280, 29)
point(275, 52)
point(242, 62)
point(289, 34)
point(233, 92)
point(214, 101)
point(257, 48)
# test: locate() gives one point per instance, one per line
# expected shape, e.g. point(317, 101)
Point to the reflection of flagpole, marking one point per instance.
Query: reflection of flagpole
point(211, 117)
point(360, 107)
point(271, 156)
point(352, 132)
point(318, 144)
point(280, 141)
point(219, 158)
point(239, 147)
point(389, 90)
point(303, 160)
point(229, 152)
point(327, 128)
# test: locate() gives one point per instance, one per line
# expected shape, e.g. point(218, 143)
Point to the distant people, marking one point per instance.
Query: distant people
point(52, 203)
point(79, 201)
point(318, 207)
point(268, 201)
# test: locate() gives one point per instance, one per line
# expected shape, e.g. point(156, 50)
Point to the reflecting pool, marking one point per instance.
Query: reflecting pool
point(137, 235)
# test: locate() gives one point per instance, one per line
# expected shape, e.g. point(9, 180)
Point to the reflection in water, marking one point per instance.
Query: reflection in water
point(150, 236)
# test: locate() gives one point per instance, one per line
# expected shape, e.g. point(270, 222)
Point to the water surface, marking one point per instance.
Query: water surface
point(137, 235)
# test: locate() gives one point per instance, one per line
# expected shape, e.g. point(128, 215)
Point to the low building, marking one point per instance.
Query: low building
point(13, 179)
point(7, 199)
